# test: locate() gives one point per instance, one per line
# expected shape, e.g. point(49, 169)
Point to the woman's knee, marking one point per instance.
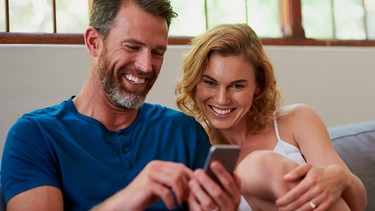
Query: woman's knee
point(261, 173)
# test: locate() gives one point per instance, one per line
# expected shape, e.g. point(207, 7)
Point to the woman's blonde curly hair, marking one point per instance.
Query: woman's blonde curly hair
point(229, 39)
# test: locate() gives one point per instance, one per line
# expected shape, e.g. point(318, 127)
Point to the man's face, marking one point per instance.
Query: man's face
point(132, 56)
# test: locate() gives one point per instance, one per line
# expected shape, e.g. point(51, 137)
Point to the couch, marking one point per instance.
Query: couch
point(355, 143)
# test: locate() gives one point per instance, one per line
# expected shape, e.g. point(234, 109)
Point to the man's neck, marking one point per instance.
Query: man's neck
point(97, 106)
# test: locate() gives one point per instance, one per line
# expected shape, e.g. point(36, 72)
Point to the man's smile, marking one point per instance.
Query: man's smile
point(134, 79)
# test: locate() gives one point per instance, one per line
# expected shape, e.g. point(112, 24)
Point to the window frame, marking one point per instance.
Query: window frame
point(290, 15)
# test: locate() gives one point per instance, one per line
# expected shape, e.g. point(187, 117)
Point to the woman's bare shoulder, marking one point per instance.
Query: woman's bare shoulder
point(295, 110)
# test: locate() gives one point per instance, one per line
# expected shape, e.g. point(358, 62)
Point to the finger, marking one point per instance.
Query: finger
point(298, 172)
point(307, 206)
point(300, 201)
point(175, 176)
point(163, 193)
point(201, 194)
point(195, 205)
point(180, 187)
point(313, 205)
point(323, 202)
point(227, 195)
point(319, 203)
point(295, 193)
point(228, 181)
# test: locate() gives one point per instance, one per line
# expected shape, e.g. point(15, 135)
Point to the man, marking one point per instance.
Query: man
point(105, 149)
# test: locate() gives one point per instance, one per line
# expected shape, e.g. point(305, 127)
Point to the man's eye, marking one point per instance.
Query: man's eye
point(131, 48)
point(158, 54)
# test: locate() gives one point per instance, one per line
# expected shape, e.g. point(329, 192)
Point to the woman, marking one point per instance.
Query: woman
point(287, 161)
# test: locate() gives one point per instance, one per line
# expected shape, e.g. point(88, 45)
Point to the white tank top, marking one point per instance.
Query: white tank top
point(283, 148)
point(287, 150)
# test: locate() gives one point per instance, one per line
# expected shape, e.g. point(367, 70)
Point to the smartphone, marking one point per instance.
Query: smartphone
point(225, 154)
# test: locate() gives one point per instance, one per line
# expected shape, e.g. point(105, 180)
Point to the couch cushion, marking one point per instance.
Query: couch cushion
point(355, 143)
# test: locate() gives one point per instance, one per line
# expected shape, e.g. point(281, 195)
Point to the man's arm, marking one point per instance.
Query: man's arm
point(43, 198)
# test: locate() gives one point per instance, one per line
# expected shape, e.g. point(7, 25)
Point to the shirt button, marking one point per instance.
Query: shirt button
point(125, 149)
point(131, 165)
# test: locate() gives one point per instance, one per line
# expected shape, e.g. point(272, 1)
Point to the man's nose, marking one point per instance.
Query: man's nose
point(144, 61)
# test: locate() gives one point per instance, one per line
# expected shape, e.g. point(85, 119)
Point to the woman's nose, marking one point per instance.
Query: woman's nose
point(222, 96)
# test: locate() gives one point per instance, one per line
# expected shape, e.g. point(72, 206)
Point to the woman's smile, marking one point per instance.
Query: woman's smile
point(221, 111)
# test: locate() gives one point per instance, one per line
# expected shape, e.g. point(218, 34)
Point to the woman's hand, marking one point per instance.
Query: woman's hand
point(318, 189)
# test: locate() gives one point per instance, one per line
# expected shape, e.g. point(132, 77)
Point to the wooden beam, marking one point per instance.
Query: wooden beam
point(7, 28)
point(291, 18)
point(32, 38)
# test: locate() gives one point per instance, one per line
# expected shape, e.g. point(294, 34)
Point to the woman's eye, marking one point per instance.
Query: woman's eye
point(208, 82)
point(237, 86)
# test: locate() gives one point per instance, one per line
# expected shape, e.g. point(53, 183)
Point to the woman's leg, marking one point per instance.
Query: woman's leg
point(262, 183)
point(261, 174)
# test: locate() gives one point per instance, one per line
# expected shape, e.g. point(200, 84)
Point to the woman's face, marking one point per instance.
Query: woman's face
point(226, 90)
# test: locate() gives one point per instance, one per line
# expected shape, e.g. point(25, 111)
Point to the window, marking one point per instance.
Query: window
point(196, 16)
point(277, 22)
point(340, 19)
point(45, 16)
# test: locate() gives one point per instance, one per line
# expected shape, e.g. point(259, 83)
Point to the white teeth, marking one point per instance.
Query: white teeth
point(221, 112)
point(135, 79)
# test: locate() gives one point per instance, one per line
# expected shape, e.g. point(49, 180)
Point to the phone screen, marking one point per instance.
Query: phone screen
point(226, 155)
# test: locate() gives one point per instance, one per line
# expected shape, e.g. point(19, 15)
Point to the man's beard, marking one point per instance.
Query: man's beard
point(112, 87)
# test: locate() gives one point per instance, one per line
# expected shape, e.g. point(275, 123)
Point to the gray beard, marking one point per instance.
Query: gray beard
point(121, 98)
point(127, 100)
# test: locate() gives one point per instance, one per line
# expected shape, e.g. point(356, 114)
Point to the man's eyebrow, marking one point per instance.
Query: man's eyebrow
point(137, 42)
point(133, 41)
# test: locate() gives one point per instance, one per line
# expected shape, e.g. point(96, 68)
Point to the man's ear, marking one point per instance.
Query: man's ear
point(92, 41)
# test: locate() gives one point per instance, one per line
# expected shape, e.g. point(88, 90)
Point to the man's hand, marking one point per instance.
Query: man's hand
point(206, 194)
point(163, 180)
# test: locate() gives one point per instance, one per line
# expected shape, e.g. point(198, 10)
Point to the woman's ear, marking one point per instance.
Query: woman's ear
point(258, 90)
point(257, 93)
point(92, 41)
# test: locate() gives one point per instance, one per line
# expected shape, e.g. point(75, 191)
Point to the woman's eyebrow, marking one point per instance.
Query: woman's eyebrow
point(208, 77)
point(240, 81)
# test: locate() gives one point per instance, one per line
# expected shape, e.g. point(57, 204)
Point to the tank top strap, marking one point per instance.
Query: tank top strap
point(276, 130)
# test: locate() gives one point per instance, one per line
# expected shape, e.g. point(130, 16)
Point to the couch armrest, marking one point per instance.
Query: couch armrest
point(355, 143)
